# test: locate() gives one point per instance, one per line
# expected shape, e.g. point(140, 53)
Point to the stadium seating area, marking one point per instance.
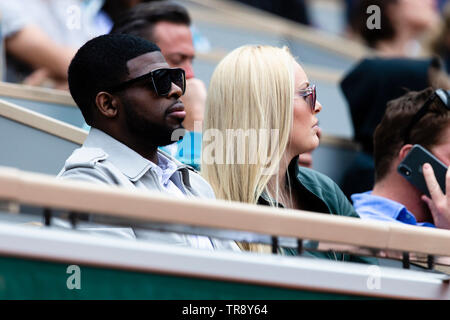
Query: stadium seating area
point(39, 129)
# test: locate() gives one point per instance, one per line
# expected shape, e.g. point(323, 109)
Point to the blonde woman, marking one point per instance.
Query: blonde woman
point(262, 109)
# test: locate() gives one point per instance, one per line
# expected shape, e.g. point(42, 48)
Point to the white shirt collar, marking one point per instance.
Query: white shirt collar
point(128, 161)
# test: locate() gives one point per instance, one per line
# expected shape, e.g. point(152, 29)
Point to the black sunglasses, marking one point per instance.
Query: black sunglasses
point(161, 81)
point(443, 95)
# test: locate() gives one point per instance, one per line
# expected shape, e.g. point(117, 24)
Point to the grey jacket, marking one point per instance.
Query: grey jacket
point(104, 160)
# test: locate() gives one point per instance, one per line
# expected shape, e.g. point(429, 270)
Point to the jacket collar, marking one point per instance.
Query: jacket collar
point(292, 171)
point(308, 187)
point(128, 161)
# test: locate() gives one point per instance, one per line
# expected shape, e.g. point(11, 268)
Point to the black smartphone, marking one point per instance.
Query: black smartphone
point(411, 168)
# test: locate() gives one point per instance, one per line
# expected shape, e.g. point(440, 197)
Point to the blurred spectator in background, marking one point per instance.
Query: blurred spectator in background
point(394, 198)
point(402, 22)
point(375, 81)
point(168, 25)
point(68, 22)
point(368, 87)
point(441, 43)
point(27, 45)
point(41, 36)
point(62, 26)
point(295, 10)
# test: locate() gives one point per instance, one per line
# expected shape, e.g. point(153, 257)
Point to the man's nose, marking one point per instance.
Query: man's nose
point(175, 91)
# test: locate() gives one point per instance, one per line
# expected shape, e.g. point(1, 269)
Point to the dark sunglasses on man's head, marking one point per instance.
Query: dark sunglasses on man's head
point(310, 96)
point(442, 95)
point(160, 80)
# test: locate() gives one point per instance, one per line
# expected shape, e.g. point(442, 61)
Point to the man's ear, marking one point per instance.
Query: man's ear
point(106, 104)
point(404, 151)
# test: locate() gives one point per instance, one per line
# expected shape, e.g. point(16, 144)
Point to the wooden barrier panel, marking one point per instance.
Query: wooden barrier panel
point(41, 122)
point(24, 92)
point(217, 274)
point(34, 262)
point(56, 104)
point(35, 142)
point(41, 190)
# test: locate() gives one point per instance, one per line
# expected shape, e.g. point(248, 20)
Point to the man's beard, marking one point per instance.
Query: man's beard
point(154, 134)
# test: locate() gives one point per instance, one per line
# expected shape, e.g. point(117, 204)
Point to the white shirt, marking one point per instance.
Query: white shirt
point(165, 171)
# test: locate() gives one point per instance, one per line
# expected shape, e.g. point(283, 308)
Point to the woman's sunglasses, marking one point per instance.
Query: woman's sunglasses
point(310, 96)
point(160, 81)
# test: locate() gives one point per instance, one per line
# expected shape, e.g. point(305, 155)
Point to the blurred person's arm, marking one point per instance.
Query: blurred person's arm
point(42, 78)
point(34, 47)
point(194, 100)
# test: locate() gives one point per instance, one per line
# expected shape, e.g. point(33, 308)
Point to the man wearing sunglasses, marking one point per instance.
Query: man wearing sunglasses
point(167, 24)
point(416, 118)
point(131, 99)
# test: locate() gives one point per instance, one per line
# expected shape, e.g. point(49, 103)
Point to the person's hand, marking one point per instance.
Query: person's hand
point(439, 203)
point(194, 100)
point(305, 160)
point(42, 78)
point(37, 77)
point(35, 48)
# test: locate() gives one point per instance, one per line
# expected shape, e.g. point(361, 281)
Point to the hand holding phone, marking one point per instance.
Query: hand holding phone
point(439, 203)
point(422, 169)
point(411, 168)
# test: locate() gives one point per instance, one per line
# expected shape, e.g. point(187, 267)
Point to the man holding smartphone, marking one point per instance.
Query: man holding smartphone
point(416, 118)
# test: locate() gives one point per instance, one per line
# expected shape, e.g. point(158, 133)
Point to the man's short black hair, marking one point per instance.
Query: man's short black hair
point(102, 63)
point(141, 19)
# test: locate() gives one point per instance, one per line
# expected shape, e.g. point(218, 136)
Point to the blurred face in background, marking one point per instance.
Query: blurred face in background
point(416, 15)
point(175, 42)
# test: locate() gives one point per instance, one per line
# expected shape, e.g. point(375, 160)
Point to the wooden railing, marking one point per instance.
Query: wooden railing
point(41, 122)
point(33, 93)
point(49, 192)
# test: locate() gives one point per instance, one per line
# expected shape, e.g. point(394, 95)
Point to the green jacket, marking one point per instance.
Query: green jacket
point(319, 193)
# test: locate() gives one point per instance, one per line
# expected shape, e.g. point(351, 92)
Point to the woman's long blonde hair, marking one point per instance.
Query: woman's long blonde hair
point(252, 88)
